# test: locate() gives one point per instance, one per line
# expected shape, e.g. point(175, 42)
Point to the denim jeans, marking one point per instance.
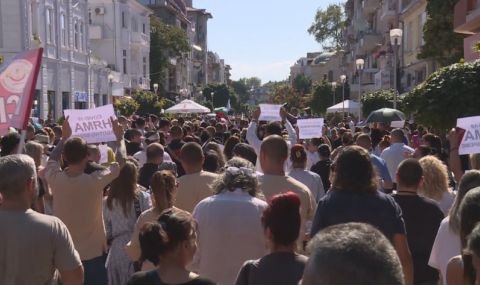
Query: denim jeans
point(95, 271)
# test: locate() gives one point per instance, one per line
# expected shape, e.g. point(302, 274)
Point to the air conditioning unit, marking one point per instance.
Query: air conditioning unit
point(100, 10)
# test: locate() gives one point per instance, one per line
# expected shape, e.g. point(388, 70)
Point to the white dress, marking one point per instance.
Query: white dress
point(119, 229)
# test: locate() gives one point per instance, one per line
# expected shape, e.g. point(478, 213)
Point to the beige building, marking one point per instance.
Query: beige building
point(318, 66)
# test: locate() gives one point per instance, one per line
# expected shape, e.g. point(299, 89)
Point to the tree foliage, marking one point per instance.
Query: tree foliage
point(243, 87)
point(127, 106)
point(221, 94)
point(322, 97)
point(377, 100)
point(441, 42)
point(328, 27)
point(450, 93)
point(165, 42)
point(302, 84)
point(284, 94)
point(149, 103)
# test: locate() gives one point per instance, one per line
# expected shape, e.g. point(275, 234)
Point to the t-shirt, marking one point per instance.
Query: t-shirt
point(145, 174)
point(279, 268)
point(78, 201)
point(32, 246)
point(152, 278)
point(193, 188)
point(422, 218)
point(375, 208)
point(322, 168)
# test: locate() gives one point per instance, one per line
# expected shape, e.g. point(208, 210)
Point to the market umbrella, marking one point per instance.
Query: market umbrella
point(349, 105)
point(188, 106)
point(385, 115)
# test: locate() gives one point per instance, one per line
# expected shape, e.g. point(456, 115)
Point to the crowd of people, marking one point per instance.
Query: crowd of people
point(227, 200)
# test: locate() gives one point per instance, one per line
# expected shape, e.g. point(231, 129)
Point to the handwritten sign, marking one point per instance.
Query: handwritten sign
point(269, 112)
point(397, 124)
point(310, 128)
point(93, 125)
point(471, 138)
point(103, 148)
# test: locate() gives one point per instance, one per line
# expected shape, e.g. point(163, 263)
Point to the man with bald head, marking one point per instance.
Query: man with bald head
point(273, 154)
point(396, 153)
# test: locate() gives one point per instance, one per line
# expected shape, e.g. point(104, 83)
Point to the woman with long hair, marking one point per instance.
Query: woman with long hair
point(170, 244)
point(281, 223)
point(435, 184)
point(353, 197)
point(123, 205)
point(447, 241)
point(35, 151)
point(460, 269)
point(163, 186)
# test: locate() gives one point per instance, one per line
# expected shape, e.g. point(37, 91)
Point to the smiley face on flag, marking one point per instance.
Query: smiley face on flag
point(15, 77)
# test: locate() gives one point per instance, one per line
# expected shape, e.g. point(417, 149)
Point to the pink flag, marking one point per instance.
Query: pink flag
point(18, 78)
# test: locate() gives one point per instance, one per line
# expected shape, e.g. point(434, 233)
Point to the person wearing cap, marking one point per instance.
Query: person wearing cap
point(396, 153)
point(134, 141)
point(141, 156)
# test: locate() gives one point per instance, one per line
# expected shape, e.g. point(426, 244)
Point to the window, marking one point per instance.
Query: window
point(144, 28)
point(89, 17)
point(144, 67)
point(63, 30)
point(65, 100)
point(124, 22)
point(76, 35)
point(49, 20)
point(124, 61)
point(81, 47)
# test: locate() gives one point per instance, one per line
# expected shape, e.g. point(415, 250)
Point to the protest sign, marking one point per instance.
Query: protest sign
point(269, 112)
point(310, 128)
point(397, 124)
point(93, 125)
point(18, 78)
point(470, 142)
point(103, 148)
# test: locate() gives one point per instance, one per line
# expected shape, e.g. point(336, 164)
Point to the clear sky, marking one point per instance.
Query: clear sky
point(261, 38)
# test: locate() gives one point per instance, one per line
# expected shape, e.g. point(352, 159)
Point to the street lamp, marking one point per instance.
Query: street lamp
point(334, 89)
point(110, 85)
point(155, 88)
point(360, 66)
point(396, 40)
point(211, 95)
point(343, 79)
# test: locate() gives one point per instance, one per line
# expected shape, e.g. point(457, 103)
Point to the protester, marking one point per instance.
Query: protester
point(78, 198)
point(170, 244)
point(273, 154)
point(154, 160)
point(281, 222)
point(215, 147)
point(212, 162)
point(150, 137)
point(322, 167)
point(93, 157)
point(353, 197)
point(352, 254)
point(164, 186)
point(460, 268)
point(32, 245)
point(229, 224)
point(229, 146)
point(312, 152)
point(122, 207)
point(245, 151)
point(195, 185)
point(174, 147)
point(35, 151)
point(473, 253)
point(447, 241)
point(396, 153)
point(298, 158)
point(422, 218)
point(436, 183)
point(134, 141)
point(9, 144)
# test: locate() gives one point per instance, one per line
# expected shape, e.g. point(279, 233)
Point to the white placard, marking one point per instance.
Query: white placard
point(471, 139)
point(269, 112)
point(310, 128)
point(103, 148)
point(93, 125)
point(397, 124)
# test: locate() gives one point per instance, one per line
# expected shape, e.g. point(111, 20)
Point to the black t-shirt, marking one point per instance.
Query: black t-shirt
point(133, 148)
point(145, 174)
point(422, 220)
point(344, 206)
point(322, 168)
point(152, 278)
point(173, 149)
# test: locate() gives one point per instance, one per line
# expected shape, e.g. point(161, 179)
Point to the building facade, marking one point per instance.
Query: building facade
point(67, 79)
point(119, 34)
point(467, 22)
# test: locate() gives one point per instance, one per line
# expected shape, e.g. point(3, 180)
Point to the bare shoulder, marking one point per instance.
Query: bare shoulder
point(455, 270)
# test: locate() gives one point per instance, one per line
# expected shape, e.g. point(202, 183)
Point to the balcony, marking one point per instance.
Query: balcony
point(370, 6)
point(368, 41)
point(467, 17)
point(95, 32)
point(389, 11)
point(141, 39)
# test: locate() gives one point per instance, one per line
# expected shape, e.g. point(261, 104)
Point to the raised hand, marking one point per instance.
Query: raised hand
point(256, 113)
point(117, 128)
point(66, 129)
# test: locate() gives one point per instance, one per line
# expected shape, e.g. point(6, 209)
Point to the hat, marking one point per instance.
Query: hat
point(43, 139)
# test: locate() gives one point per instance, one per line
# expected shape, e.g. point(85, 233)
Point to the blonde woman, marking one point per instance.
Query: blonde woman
point(435, 184)
point(35, 151)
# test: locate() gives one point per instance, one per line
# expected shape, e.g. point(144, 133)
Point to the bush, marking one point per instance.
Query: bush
point(127, 106)
point(148, 102)
point(377, 100)
point(450, 93)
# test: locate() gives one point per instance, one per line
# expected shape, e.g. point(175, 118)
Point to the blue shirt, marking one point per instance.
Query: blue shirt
point(381, 167)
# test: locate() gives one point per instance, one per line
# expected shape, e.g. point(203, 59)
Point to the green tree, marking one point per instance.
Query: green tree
point(127, 106)
point(221, 94)
point(282, 93)
point(322, 96)
point(149, 103)
point(165, 42)
point(450, 93)
point(302, 84)
point(441, 43)
point(377, 100)
point(328, 27)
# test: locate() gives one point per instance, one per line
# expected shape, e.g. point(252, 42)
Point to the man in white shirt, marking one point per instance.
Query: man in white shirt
point(141, 156)
point(396, 153)
point(272, 128)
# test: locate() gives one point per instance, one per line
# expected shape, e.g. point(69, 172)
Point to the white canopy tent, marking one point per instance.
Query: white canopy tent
point(350, 107)
point(188, 106)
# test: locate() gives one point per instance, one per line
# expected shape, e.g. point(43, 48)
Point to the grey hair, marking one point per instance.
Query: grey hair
point(229, 182)
point(35, 151)
point(470, 180)
point(15, 170)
